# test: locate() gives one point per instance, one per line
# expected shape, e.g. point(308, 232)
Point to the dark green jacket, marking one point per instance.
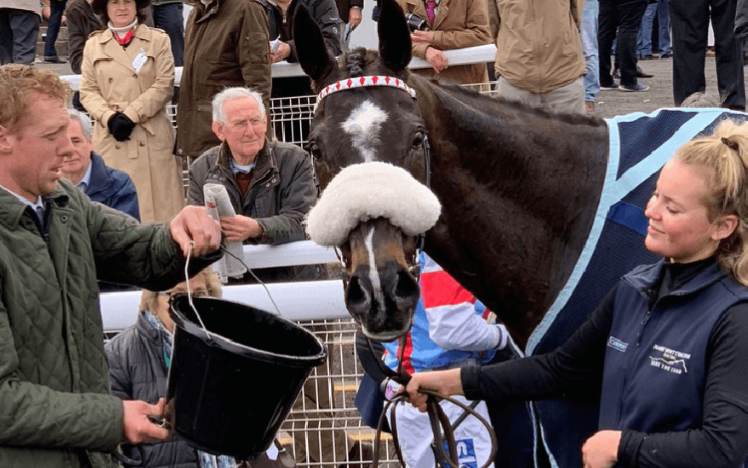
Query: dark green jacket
point(55, 406)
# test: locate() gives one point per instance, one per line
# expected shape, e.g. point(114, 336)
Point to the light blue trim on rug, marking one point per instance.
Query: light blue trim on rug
point(614, 190)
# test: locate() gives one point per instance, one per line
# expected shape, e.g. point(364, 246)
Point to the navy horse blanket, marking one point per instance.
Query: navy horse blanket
point(640, 144)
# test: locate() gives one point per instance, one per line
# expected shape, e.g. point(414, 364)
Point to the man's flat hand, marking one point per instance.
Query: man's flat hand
point(239, 228)
point(284, 50)
point(437, 59)
point(137, 428)
point(194, 224)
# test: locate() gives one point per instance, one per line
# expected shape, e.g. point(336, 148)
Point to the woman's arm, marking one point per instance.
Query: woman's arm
point(579, 361)
point(91, 96)
point(153, 99)
point(722, 439)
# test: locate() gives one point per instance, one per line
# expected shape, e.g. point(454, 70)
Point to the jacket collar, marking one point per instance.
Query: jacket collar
point(647, 279)
point(204, 12)
point(12, 210)
point(100, 178)
point(141, 32)
point(265, 160)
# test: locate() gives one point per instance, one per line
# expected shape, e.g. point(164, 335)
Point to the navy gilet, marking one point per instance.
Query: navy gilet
point(655, 360)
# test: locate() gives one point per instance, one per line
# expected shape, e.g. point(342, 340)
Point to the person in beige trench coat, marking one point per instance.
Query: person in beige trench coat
point(457, 24)
point(137, 81)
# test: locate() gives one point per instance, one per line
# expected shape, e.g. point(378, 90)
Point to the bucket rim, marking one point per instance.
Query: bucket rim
point(238, 348)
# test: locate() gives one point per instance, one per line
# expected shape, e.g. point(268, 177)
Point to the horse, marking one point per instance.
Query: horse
point(528, 198)
point(509, 238)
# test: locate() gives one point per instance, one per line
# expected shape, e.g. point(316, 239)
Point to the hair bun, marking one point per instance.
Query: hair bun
point(730, 144)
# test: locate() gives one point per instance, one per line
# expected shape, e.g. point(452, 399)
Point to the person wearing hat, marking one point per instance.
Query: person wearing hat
point(127, 78)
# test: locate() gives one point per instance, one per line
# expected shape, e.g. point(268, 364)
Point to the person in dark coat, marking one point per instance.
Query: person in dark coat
point(82, 21)
point(689, 20)
point(86, 170)
point(350, 12)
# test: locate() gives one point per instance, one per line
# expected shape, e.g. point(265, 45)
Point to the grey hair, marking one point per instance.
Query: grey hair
point(229, 94)
point(700, 100)
point(84, 120)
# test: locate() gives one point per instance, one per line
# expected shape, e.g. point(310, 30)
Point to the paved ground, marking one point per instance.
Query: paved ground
point(660, 93)
point(609, 103)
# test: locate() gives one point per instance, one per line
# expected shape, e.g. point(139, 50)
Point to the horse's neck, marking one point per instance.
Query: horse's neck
point(519, 194)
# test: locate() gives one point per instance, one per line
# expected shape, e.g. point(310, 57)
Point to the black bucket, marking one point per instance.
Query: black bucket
point(229, 394)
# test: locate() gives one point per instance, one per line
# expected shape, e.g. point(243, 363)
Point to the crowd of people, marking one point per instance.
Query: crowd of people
point(56, 375)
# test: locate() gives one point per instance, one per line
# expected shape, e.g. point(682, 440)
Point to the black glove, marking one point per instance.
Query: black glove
point(120, 126)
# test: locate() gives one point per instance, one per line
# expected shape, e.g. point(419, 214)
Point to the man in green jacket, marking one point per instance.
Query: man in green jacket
point(55, 405)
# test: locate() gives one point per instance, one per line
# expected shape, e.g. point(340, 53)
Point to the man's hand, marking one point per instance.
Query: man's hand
point(354, 17)
point(437, 59)
point(284, 50)
point(239, 228)
point(137, 427)
point(422, 37)
point(601, 450)
point(447, 383)
point(194, 223)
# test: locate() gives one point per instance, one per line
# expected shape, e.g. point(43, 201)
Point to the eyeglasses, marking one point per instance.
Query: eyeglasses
point(196, 293)
point(243, 124)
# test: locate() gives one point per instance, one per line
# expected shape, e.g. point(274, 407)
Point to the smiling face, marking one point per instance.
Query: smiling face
point(36, 148)
point(75, 164)
point(679, 226)
point(121, 12)
point(243, 130)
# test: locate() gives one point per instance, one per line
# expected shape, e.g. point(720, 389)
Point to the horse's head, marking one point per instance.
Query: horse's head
point(366, 113)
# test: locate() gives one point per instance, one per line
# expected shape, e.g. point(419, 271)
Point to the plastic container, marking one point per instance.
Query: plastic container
point(229, 394)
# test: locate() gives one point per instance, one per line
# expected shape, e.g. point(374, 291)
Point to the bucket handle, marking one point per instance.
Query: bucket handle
point(277, 310)
point(189, 292)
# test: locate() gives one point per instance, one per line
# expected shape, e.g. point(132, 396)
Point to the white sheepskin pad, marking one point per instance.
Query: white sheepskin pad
point(367, 191)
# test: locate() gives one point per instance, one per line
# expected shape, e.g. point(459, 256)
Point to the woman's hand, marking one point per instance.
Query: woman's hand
point(437, 59)
point(447, 383)
point(120, 126)
point(601, 450)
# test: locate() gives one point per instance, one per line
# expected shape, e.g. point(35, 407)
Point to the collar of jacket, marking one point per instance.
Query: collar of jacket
point(12, 210)
point(644, 279)
point(141, 32)
point(204, 12)
point(100, 178)
point(266, 162)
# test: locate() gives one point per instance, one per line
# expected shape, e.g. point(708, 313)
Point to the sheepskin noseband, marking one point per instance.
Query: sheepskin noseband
point(367, 191)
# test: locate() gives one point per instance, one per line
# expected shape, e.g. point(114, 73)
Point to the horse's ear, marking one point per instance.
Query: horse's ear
point(394, 36)
point(314, 58)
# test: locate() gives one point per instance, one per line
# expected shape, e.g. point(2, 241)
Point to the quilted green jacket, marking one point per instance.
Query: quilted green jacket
point(55, 406)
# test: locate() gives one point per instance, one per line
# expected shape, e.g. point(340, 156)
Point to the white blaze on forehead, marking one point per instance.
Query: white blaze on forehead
point(376, 284)
point(363, 126)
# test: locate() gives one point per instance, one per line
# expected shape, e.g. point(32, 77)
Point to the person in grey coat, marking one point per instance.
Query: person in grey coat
point(270, 184)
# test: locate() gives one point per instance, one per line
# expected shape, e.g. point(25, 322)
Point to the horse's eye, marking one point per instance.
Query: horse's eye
point(417, 140)
point(315, 152)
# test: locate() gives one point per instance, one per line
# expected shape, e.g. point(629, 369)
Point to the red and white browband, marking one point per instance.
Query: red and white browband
point(365, 81)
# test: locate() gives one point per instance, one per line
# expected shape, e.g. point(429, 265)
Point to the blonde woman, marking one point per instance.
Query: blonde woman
point(127, 78)
point(669, 341)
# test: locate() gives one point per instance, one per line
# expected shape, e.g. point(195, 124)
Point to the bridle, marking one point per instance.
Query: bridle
point(414, 266)
point(436, 414)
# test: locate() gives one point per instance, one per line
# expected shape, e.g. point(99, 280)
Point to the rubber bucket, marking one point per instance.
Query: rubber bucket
point(231, 388)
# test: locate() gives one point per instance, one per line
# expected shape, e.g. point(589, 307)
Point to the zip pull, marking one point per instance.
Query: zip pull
point(284, 18)
point(646, 318)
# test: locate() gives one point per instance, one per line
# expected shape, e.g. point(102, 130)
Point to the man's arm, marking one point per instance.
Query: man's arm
point(327, 17)
point(475, 33)
point(297, 197)
point(254, 50)
point(36, 416)
point(577, 7)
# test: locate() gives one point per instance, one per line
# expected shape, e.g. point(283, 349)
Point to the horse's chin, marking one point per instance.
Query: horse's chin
point(385, 336)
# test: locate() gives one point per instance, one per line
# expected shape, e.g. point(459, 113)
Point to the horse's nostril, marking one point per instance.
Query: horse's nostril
point(406, 287)
point(356, 294)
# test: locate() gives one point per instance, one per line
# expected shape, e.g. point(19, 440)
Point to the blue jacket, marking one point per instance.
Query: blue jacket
point(112, 187)
point(662, 344)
